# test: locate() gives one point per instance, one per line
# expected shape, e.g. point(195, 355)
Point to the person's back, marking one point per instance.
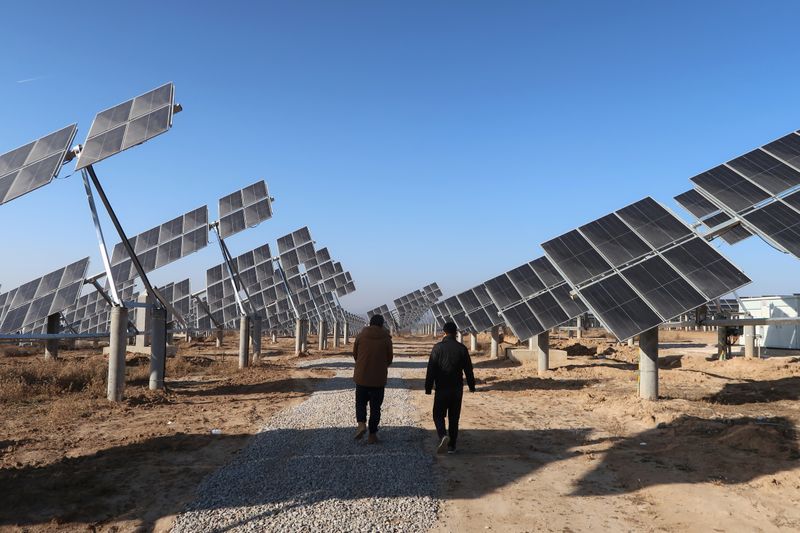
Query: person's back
point(448, 363)
point(372, 351)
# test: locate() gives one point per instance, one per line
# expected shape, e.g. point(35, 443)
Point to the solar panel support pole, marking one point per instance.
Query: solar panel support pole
point(51, 345)
point(579, 328)
point(335, 334)
point(543, 352)
point(298, 337)
point(648, 364)
point(244, 341)
point(532, 343)
point(220, 336)
point(124, 238)
point(495, 348)
point(346, 332)
point(473, 343)
point(304, 336)
point(322, 334)
point(102, 244)
point(232, 270)
point(118, 341)
point(256, 337)
point(158, 347)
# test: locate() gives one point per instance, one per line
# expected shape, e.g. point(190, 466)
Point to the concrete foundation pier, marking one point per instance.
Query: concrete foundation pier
point(116, 354)
point(256, 340)
point(459, 337)
point(722, 342)
point(543, 352)
point(648, 364)
point(579, 330)
point(274, 337)
point(244, 341)
point(631, 342)
point(473, 343)
point(532, 343)
point(346, 333)
point(220, 336)
point(749, 342)
point(495, 345)
point(51, 345)
point(158, 347)
point(304, 336)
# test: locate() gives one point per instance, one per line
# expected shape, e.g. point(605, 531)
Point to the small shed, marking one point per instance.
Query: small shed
point(775, 337)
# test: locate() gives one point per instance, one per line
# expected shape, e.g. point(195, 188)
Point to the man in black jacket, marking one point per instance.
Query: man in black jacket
point(447, 365)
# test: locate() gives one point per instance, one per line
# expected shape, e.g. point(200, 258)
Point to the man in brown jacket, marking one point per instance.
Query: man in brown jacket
point(372, 351)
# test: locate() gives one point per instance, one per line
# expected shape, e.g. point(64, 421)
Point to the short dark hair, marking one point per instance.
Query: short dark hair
point(450, 327)
point(376, 320)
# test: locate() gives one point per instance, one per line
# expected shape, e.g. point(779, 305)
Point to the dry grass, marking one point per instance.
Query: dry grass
point(37, 378)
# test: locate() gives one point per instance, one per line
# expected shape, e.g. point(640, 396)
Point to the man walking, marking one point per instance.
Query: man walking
point(372, 351)
point(447, 365)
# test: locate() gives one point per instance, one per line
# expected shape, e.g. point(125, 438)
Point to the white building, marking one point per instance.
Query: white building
point(774, 337)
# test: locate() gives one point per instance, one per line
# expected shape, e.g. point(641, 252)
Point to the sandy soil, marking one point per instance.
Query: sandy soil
point(574, 450)
point(70, 460)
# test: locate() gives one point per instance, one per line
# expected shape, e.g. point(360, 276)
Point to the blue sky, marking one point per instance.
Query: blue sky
point(420, 141)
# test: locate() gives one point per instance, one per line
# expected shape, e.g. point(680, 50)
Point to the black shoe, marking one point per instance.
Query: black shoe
point(443, 444)
point(451, 450)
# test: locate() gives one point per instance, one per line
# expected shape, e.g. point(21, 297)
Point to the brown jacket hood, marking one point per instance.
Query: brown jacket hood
point(372, 351)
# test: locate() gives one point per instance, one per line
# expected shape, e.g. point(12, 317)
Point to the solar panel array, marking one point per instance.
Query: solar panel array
point(128, 124)
point(641, 266)
point(760, 190)
point(92, 312)
point(179, 296)
point(162, 244)
point(254, 269)
point(37, 299)
point(244, 209)
point(411, 307)
point(35, 164)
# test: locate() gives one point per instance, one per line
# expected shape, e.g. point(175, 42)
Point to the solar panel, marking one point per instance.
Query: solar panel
point(696, 203)
point(705, 268)
point(766, 171)
point(653, 223)
point(730, 188)
point(547, 310)
point(665, 289)
point(619, 307)
point(44, 296)
point(780, 223)
point(522, 321)
point(576, 258)
point(179, 297)
point(787, 148)
point(244, 209)
point(571, 306)
point(128, 124)
point(614, 239)
point(162, 245)
point(35, 164)
point(502, 291)
point(525, 280)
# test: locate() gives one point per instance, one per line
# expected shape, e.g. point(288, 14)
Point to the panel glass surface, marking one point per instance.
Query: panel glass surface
point(502, 291)
point(522, 321)
point(615, 240)
point(787, 149)
point(576, 258)
point(618, 306)
point(525, 280)
point(571, 306)
point(766, 171)
point(546, 271)
point(128, 124)
point(696, 203)
point(653, 223)
point(779, 222)
point(730, 188)
point(34, 165)
point(547, 310)
point(663, 287)
point(713, 275)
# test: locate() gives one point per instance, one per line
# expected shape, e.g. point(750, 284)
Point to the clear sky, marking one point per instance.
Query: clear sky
point(420, 141)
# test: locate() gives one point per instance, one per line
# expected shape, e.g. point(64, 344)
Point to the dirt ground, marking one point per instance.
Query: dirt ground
point(574, 450)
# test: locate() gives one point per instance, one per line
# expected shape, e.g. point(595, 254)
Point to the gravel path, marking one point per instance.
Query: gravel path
point(304, 471)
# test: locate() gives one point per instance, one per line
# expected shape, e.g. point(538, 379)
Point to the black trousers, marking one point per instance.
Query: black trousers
point(373, 396)
point(447, 402)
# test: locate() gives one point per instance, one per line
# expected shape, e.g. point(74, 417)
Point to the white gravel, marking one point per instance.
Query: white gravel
point(304, 471)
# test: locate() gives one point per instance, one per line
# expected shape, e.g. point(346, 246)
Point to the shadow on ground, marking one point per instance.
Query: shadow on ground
point(743, 449)
point(757, 392)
